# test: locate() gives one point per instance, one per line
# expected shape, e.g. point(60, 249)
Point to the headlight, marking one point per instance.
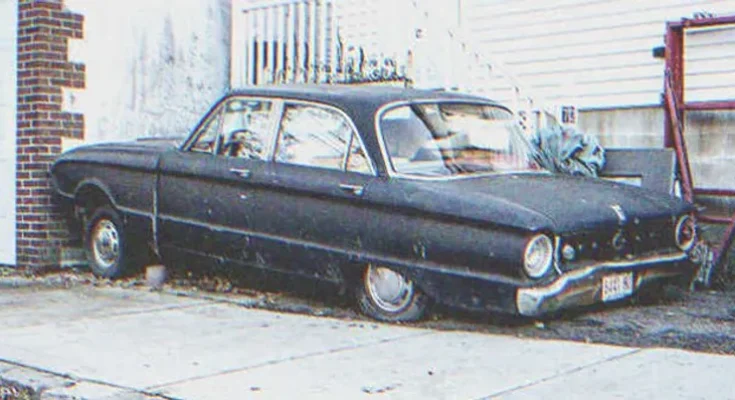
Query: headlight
point(685, 233)
point(538, 256)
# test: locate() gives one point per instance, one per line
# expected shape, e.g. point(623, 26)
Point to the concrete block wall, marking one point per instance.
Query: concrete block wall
point(153, 67)
point(631, 127)
point(710, 138)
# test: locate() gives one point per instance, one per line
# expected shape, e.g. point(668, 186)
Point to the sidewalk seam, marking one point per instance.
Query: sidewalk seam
point(289, 359)
point(570, 371)
point(78, 379)
point(148, 311)
point(120, 314)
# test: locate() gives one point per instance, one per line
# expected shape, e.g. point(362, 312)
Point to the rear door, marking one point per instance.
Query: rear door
point(318, 179)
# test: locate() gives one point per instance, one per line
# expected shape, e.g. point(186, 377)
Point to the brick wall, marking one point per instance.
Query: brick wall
point(44, 30)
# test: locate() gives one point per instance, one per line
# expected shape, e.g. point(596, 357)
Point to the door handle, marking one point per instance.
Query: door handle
point(242, 173)
point(357, 190)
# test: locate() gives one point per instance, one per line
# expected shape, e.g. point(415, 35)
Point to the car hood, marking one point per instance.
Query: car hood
point(536, 201)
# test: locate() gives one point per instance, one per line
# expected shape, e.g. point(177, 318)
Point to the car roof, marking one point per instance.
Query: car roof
point(344, 95)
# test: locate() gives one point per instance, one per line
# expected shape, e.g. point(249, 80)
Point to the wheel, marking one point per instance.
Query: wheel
point(105, 244)
point(387, 295)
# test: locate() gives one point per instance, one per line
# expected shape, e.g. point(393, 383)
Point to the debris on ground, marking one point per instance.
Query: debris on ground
point(13, 391)
point(678, 318)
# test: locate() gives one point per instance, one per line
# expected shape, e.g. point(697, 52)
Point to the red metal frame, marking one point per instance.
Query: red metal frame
point(709, 105)
point(715, 192)
point(675, 107)
point(702, 22)
point(675, 125)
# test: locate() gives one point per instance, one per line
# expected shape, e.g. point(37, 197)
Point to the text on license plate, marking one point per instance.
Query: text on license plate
point(617, 286)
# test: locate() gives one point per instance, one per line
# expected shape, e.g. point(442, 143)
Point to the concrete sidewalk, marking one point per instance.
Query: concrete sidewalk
point(97, 343)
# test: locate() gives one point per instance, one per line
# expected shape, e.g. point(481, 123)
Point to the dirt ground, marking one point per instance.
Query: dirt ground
point(700, 321)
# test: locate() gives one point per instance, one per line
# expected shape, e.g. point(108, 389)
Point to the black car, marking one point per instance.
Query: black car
point(408, 196)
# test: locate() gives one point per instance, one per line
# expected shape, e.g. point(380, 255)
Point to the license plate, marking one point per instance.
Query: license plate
point(617, 286)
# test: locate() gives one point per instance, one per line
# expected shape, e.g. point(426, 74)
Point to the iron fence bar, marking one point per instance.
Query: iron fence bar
point(302, 45)
point(311, 63)
point(279, 68)
point(291, 16)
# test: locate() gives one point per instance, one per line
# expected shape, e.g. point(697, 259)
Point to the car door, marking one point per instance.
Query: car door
point(239, 196)
point(318, 178)
point(207, 189)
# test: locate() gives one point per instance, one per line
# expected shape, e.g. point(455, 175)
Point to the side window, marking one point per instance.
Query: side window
point(246, 128)
point(313, 136)
point(207, 140)
point(357, 161)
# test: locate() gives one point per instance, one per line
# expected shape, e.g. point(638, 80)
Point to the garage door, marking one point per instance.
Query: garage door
point(8, 15)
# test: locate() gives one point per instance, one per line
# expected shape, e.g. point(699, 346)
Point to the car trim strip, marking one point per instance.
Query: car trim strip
point(361, 256)
point(65, 194)
point(134, 211)
point(115, 205)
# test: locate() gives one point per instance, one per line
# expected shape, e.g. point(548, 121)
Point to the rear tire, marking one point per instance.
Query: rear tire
point(387, 295)
point(106, 244)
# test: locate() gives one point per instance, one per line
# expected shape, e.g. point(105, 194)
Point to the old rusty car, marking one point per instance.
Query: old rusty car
point(407, 196)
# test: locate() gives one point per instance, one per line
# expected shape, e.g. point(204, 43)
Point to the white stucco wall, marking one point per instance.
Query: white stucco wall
point(8, 32)
point(153, 66)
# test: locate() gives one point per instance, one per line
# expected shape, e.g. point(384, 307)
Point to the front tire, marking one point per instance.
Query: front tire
point(106, 244)
point(388, 295)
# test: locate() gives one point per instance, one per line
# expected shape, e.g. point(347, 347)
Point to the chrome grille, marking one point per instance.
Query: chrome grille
point(627, 242)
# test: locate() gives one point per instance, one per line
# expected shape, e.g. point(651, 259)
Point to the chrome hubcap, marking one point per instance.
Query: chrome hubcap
point(105, 243)
point(388, 289)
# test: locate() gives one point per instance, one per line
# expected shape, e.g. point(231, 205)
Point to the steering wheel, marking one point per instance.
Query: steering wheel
point(235, 140)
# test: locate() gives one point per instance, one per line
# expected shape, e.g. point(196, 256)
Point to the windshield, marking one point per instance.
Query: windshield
point(446, 139)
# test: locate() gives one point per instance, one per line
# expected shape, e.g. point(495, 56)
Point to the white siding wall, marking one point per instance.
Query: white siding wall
point(153, 66)
point(380, 26)
point(709, 67)
point(710, 75)
point(8, 32)
point(597, 53)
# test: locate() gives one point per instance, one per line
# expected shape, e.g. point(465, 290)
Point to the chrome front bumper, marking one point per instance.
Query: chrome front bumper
point(583, 286)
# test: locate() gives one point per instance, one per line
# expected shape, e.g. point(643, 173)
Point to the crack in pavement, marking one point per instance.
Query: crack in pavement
point(293, 358)
point(78, 379)
point(112, 315)
point(570, 371)
point(147, 311)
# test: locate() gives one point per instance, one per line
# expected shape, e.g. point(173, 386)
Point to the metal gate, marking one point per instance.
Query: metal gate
point(299, 41)
point(416, 43)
